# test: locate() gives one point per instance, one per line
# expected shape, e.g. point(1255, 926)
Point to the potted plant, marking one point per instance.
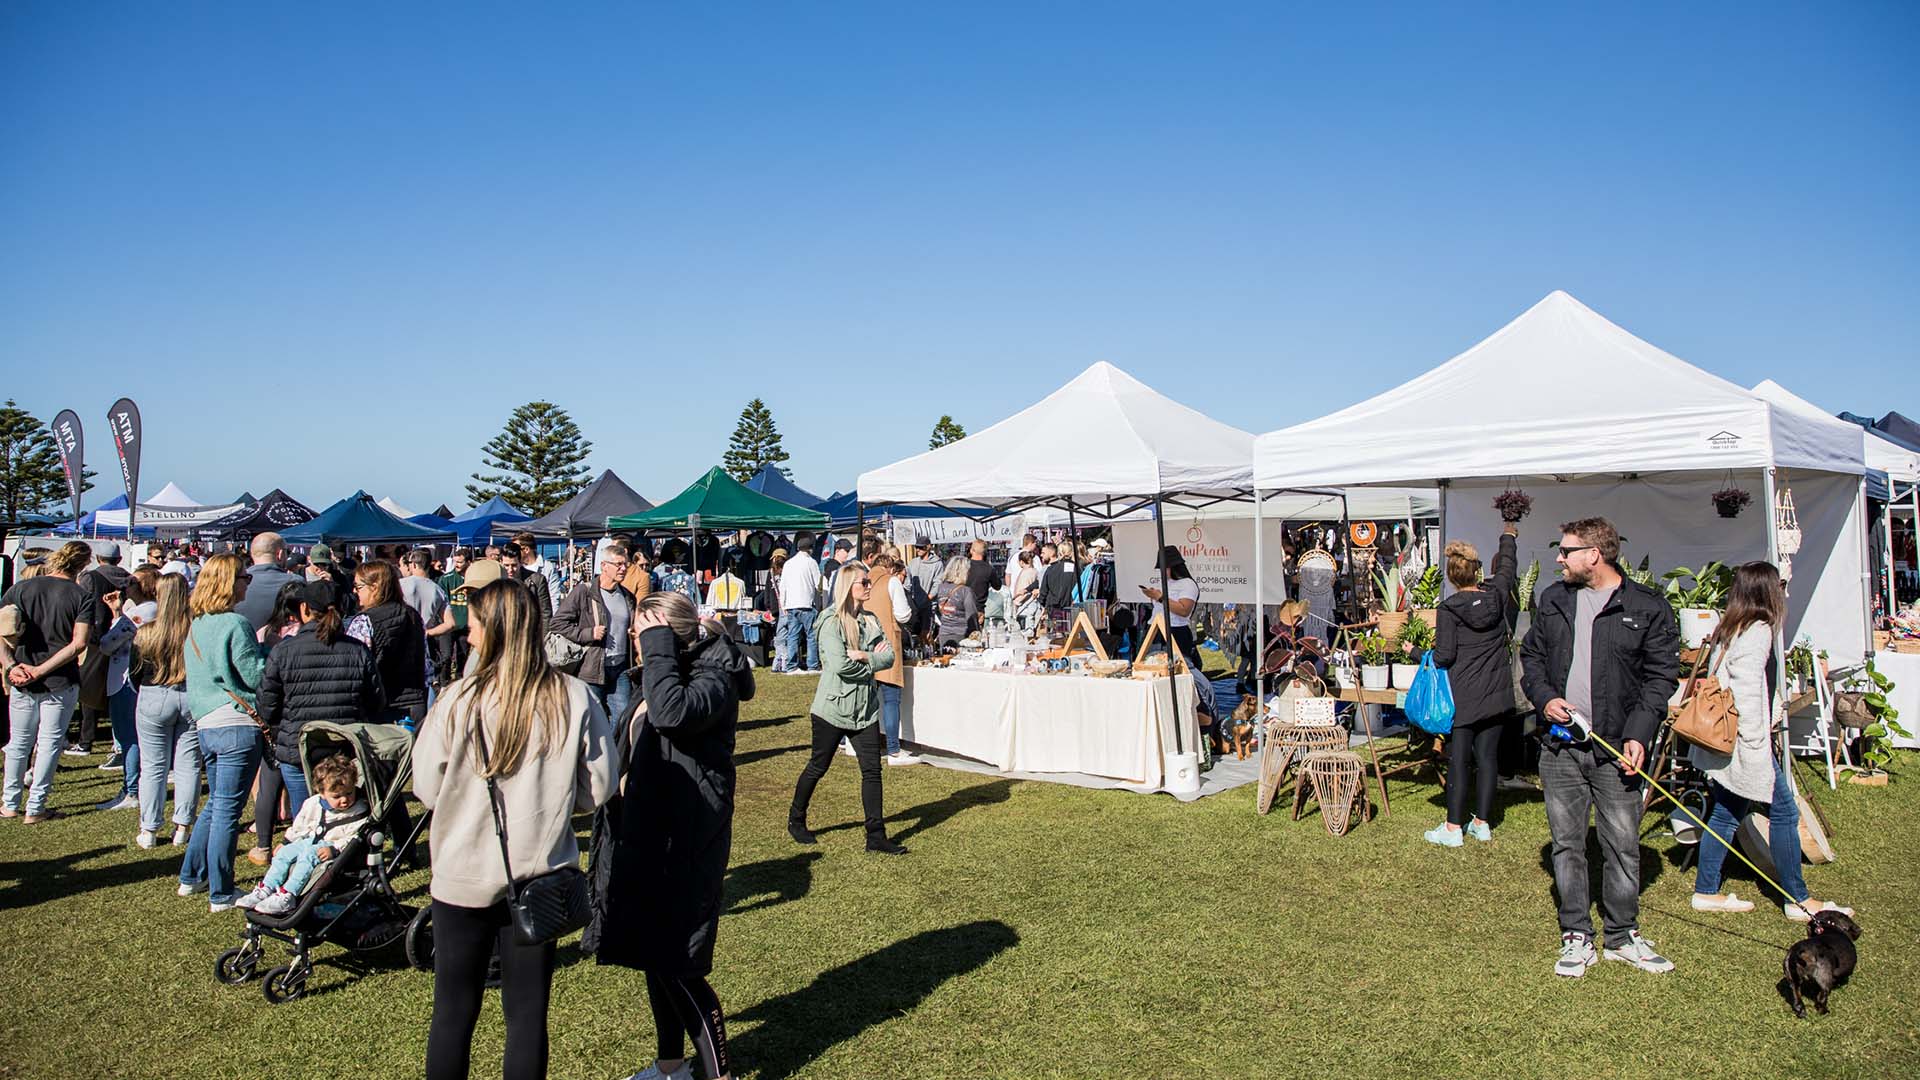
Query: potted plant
point(1729, 501)
point(1698, 605)
point(1800, 666)
point(1876, 739)
point(1424, 596)
point(1513, 505)
point(1415, 639)
point(1375, 655)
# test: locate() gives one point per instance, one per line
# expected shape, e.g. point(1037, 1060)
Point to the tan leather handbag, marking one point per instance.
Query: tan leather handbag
point(1707, 716)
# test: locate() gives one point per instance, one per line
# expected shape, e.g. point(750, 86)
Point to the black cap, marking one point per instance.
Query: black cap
point(320, 595)
point(843, 545)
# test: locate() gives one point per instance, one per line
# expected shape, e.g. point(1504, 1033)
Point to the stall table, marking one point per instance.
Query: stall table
point(1120, 728)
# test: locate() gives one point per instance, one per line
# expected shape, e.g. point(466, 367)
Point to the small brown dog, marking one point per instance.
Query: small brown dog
point(1245, 717)
point(1821, 962)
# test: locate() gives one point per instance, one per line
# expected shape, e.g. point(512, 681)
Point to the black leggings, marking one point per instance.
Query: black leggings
point(1475, 747)
point(685, 1005)
point(266, 806)
point(866, 748)
point(464, 940)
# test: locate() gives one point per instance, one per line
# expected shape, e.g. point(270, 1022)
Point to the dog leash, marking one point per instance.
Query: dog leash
point(1566, 733)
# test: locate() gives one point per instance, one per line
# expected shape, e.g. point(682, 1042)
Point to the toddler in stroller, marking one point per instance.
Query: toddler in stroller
point(327, 820)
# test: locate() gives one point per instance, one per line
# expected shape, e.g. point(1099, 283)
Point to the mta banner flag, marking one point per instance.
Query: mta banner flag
point(124, 420)
point(73, 458)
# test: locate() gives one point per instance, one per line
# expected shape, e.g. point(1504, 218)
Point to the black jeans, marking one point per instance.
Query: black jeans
point(464, 940)
point(1190, 649)
point(1473, 747)
point(686, 1005)
point(1579, 779)
point(866, 748)
point(266, 804)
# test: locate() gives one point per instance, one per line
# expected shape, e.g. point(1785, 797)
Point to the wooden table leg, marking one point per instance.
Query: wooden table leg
point(1385, 807)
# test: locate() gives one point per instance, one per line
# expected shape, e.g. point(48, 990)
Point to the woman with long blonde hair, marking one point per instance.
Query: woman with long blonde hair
point(845, 704)
point(161, 720)
point(223, 667)
point(517, 726)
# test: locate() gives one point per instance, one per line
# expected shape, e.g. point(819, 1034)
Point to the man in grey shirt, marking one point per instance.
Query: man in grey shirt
point(265, 577)
point(428, 600)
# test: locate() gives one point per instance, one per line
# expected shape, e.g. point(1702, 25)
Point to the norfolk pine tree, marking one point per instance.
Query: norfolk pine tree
point(31, 479)
point(756, 442)
point(944, 432)
point(536, 460)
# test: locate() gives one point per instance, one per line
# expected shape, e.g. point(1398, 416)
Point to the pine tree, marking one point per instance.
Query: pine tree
point(944, 432)
point(536, 460)
point(756, 442)
point(31, 480)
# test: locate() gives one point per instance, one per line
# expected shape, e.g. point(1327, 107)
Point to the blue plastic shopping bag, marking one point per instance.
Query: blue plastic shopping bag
point(1430, 700)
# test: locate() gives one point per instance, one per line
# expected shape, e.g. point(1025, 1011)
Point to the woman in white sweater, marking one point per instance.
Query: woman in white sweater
point(1750, 777)
point(548, 747)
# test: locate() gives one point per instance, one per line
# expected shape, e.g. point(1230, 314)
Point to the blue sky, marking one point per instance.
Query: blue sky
point(332, 246)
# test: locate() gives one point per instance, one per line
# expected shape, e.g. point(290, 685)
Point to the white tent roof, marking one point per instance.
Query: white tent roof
point(171, 495)
point(1504, 408)
point(1104, 433)
point(1889, 457)
point(394, 508)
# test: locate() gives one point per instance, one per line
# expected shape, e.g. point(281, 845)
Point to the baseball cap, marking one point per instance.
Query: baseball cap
point(320, 555)
point(481, 573)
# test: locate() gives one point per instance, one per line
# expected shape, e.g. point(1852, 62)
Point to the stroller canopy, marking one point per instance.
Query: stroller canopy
point(384, 752)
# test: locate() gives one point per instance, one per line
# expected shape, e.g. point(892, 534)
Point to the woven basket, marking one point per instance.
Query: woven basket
point(1390, 623)
point(1881, 639)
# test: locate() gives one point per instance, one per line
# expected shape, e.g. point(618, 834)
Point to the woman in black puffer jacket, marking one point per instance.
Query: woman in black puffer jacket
point(317, 674)
point(398, 640)
point(1476, 623)
point(661, 848)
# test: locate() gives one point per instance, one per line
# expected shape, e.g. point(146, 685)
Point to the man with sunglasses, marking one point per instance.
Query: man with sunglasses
point(1608, 648)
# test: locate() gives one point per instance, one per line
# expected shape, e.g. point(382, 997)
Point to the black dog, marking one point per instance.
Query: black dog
point(1823, 961)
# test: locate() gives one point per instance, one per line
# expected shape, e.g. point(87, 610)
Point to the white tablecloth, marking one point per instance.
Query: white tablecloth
point(1118, 728)
point(1904, 670)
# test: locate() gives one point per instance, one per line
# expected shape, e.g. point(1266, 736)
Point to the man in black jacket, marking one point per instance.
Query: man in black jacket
point(1608, 648)
point(598, 614)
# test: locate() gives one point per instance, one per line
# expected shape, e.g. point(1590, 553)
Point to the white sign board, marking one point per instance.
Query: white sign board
point(1219, 553)
point(958, 530)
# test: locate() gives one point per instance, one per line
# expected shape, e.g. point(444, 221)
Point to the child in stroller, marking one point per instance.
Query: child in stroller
point(326, 821)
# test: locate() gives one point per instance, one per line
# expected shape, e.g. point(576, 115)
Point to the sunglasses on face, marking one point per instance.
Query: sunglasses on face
point(1566, 551)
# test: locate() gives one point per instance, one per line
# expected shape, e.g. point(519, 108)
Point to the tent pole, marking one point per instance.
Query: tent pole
point(1769, 488)
point(1866, 565)
point(1166, 608)
point(1259, 613)
point(1886, 553)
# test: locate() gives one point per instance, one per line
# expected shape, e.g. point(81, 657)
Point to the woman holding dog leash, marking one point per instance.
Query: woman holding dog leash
point(1751, 776)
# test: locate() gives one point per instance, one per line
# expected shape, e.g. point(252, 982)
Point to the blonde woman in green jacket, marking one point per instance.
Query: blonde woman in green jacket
point(846, 704)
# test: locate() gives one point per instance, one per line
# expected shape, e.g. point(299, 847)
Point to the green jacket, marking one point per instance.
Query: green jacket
point(221, 655)
point(845, 697)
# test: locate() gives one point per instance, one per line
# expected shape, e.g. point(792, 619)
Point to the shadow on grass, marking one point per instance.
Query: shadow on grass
point(795, 1029)
point(751, 756)
point(938, 812)
point(770, 882)
point(767, 722)
point(38, 880)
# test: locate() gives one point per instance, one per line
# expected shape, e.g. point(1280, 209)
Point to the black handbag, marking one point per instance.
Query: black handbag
point(543, 907)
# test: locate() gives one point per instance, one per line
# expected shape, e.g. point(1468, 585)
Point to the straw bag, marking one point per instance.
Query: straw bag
point(1707, 717)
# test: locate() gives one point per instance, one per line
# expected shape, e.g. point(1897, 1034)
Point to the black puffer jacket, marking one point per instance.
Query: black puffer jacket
point(310, 679)
point(1636, 658)
point(660, 848)
point(400, 651)
point(1471, 642)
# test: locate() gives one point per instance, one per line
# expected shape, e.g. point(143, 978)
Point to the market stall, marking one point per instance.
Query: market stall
point(585, 515)
point(277, 512)
point(357, 519)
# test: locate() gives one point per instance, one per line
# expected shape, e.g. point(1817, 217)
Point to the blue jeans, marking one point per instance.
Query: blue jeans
point(613, 694)
point(125, 737)
point(168, 740)
point(295, 782)
point(293, 865)
point(37, 719)
point(799, 624)
point(1783, 837)
point(890, 715)
point(780, 643)
point(232, 754)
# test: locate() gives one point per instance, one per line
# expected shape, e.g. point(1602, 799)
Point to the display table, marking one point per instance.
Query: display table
point(1116, 728)
point(1904, 670)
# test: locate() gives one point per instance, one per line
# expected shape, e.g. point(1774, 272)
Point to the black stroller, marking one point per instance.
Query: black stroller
point(351, 901)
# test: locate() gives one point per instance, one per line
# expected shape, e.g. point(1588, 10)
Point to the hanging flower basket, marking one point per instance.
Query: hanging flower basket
point(1513, 505)
point(1730, 501)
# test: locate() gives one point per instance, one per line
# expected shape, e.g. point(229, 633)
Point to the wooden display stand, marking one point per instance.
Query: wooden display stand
point(1083, 628)
point(1176, 664)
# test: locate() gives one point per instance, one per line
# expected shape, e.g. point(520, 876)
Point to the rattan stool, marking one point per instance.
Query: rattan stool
point(1336, 778)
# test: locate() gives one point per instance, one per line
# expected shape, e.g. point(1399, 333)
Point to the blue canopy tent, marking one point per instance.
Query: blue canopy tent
point(89, 525)
point(478, 525)
point(771, 481)
point(843, 511)
point(357, 519)
point(433, 521)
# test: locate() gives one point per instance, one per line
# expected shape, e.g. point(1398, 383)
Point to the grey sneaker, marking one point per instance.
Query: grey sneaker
point(1576, 955)
point(1638, 951)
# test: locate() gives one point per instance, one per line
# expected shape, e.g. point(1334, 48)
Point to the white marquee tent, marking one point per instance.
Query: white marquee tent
point(170, 509)
point(1589, 419)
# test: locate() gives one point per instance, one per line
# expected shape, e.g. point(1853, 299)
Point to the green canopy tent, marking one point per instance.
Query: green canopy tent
point(718, 501)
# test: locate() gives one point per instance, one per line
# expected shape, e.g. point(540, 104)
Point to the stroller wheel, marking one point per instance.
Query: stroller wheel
point(236, 965)
point(284, 984)
point(420, 940)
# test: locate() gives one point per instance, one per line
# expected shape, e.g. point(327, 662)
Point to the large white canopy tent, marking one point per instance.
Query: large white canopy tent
point(171, 511)
point(1589, 419)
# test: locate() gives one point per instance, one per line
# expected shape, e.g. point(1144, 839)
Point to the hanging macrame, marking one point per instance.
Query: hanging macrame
point(1786, 524)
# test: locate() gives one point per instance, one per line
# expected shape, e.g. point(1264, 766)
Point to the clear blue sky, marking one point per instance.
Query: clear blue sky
point(330, 246)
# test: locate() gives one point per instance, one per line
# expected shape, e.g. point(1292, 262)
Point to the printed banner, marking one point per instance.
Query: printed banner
point(1219, 553)
point(124, 421)
point(958, 530)
point(67, 436)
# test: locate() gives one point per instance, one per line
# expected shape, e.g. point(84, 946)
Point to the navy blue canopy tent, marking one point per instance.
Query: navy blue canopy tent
point(771, 481)
point(843, 511)
point(357, 519)
point(478, 525)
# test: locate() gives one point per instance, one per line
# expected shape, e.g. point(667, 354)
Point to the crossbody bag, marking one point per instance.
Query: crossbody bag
point(545, 906)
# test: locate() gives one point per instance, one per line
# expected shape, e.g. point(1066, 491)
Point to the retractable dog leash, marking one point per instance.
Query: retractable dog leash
point(1580, 730)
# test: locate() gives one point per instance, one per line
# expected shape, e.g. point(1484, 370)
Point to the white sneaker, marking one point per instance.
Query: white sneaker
point(276, 902)
point(180, 835)
point(846, 747)
point(145, 839)
point(189, 890)
point(901, 757)
point(119, 802)
point(1728, 902)
point(218, 906)
point(1576, 955)
point(1638, 951)
point(260, 892)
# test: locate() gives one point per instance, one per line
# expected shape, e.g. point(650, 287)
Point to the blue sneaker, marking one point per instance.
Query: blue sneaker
point(1444, 835)
point(1480, 830)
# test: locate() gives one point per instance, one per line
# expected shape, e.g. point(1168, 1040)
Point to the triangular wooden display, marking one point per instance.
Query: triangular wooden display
point(1083, 628)
point(1158, 625)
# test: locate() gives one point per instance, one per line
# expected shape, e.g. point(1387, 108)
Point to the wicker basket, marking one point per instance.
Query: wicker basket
point(1390, 623)
point(1881, 639)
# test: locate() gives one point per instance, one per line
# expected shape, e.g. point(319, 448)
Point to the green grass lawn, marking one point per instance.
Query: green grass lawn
point(1035, 930)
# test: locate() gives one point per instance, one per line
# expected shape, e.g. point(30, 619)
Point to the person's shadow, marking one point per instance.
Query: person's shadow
point(938, 812)
point(769, 883)
point(794, 1029)
point(38, 880)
